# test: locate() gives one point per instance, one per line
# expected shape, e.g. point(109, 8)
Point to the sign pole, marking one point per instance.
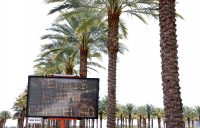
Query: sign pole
point(62, 123)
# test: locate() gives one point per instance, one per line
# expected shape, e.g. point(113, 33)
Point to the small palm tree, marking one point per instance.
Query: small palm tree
point(129, 108)
point(4, 115)
point(141, 112)
point(20, 109)
point(197, 109)
point(120, 114)
point(159, 112)
point(149, 111)
point(189, 115)
point(102, 109)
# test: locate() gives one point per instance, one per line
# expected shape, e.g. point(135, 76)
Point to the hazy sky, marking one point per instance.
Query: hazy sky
point(23, 22)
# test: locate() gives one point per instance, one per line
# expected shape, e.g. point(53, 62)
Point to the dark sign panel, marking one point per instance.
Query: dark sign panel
point(62, 97)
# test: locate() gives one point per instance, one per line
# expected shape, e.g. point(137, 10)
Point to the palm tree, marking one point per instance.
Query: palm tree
point(190, 115)
point(121, 115)
point(149, 112)
point(20, 109)
point(1, 122)
point(57, 57)
point(170, 81)
point(65, 39)
point(113, 10)
point(159, 113)
point(46, 65)
point(4, 115)
point(68, 43)
point(129, 110)
point(141, 112)
point(186, 115)
point(197, 108)
point(102, 109)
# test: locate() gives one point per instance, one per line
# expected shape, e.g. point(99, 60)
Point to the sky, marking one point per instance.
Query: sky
point(23, 22)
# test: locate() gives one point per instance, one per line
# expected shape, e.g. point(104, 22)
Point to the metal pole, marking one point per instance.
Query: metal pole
point(62, 123)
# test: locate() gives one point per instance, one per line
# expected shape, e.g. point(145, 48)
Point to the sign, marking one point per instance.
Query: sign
point(32, 120)
point(61, 97)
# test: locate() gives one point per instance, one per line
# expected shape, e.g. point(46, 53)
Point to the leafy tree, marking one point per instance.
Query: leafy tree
point(170, 81)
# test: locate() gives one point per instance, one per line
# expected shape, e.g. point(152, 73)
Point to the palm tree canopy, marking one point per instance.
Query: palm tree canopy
point(103, 105)
point(136, 8)
point(5, 115)
point(129, 108)
point(20, 104)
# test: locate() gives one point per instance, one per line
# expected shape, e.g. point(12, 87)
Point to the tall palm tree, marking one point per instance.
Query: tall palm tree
point(4, 115)
point(113, 10)
point(170, 80)
point(20, 109)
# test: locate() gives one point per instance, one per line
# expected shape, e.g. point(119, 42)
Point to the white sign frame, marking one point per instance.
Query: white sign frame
point(32, 120)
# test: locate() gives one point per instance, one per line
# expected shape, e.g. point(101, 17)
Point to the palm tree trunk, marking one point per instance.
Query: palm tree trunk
point(69, 70)
point(21, 118)
point(148, 120)
point(117, 122)
point(83, 61)
point(151, 122)
point(101, 118)
point(188, 119)
point(121, 119)
point(144, 122)
point(164, 124)
point(97, 123)
point(1, 123)
point(140, 121)
point(192, 123)
point(113, 21)
point(159, 122)
point(83, 71)
point(129, 121)
point(170, 80)
point(92, 123)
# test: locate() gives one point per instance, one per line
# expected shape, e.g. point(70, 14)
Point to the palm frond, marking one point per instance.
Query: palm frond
point(123, 28)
